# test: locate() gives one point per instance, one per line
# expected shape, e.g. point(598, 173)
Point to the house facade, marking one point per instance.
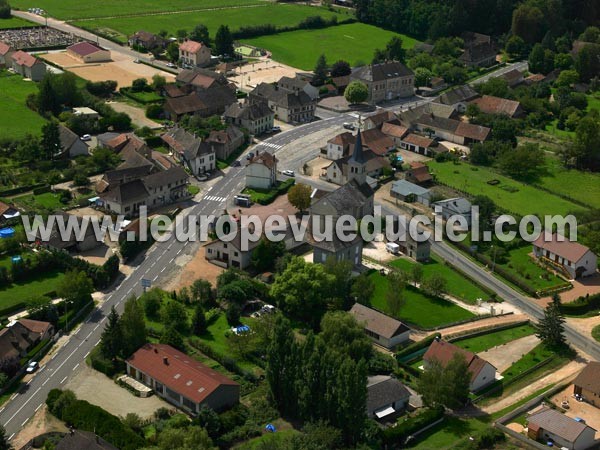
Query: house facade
point(418, 144)
point(229, 252)
point(6, 52)
point(17, 338)
point(261, 172)
point(386, 81)
point(181, 380)
point(256, 117)
point(587, 383)
point(195, 54)
point(458, 206)
point(28, 66)
point(226, 141)
point(87, 52)
point(574, 259)
point(146, 40)
point(71, 144)
point(288, 106)
point(547, 424)
point(385, 396)
point(382, 329)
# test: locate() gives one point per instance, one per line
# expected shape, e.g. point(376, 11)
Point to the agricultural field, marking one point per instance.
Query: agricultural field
point(353, 42)
point(278, 15)
point(74, 9)
point(15, 22)
point(509, 195)
point(14, 111)
point(418, 309)
point(458, 285)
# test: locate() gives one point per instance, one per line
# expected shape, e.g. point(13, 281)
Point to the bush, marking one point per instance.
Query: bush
point(104, 365)
point(41, 190)
point(154, 111)
point(395, 436)
point(581, 306)
point(416, 346)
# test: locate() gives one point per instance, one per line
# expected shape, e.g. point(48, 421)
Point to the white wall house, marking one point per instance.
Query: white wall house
point(261, 172)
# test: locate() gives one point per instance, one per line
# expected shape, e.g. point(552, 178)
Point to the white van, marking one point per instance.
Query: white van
point(392, 247)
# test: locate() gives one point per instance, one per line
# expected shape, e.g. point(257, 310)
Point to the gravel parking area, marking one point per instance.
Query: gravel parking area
point(504, 356)
point(588, 412)
point(100, 390)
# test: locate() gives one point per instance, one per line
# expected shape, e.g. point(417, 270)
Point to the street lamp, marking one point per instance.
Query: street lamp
point(67, 316)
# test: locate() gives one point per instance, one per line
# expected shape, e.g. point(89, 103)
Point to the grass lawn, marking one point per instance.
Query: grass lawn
point(419, 309)
point(17, 118)
point(74, 9)
point(47, 200)
point(458, 285)
point(269, 440)
point(275, 14)
point(485, 342)
point(16, 22)
point(145, 97)
point(596, 332)
point(508, 194)
point(448, 433)
point(552, 128)
point(352, 42)
point(561, 180)
point(34, 287)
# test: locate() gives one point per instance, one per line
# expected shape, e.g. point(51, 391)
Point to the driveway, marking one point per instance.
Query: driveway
point(100, 390)
point(504, 356)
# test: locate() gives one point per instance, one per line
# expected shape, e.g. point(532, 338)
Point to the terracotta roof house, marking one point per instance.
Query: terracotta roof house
point(513, 77)
point(548, 425)
point(587, 383)
point(194, 153)
point(418, 173)
point(337, 172)
point(87, 52)
point(83, 440)
point(458, 97)
point(226, 141)
point(261, 171)
point(382, 329)
point(489, 104)
point(452, 130)
point(147, 40)
point(378, 142)
point(288, 106)
point(419, 144)
point(575, 259)
point(482, 372)
point(386, 81)
point(6, 52)
point(394, 131)
point(341, 83)
point(378, 119)
point(28, 66)
point(254, 117)
point(194, 54)
point(19, 337)
point(204, 103)
point(181, 380)
point(339, 146)
point(174, 91)
point(199, 78)
point(385, 396)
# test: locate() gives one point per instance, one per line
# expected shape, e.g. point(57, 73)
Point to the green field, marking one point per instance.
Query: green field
point(458, 285)
point(450, 432)
point(561, 181)
point(509, 195)
point(47, 200)
point(354, 43)
point(18, 293)
point(16, 118)
point(485, 342)
point(419, 309)
point(16, 22)
point(275, 14)
point(75, 9)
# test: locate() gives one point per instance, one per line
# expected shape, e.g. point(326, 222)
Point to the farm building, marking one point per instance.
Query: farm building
point(87, 52)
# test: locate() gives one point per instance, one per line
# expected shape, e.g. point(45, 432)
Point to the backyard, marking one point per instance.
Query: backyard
point(13, 94)
point(508, 194)
point(274, 14)
point(418, 309)
point(354, 43)
point(48, 200)
point(458, 285)
point(17, 294)
point(484, 342)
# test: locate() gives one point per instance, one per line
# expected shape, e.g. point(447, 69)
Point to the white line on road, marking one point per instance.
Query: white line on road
point(98, 342)
point(23, 424)
point(63, 380)
point(171, 260)
point(76, 366)
point(13, 396)
point(11, 436)
point(44, 383)
point(39, 406)
point(86, 355)
point(162, 270)
point(22, 406)
point(155, 278)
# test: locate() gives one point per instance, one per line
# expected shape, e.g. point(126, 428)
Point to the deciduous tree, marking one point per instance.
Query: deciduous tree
point(299, 196)
point(356, 92)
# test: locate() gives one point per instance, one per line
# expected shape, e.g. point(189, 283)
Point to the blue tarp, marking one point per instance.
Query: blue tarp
point(16, 259)
point(270, 427)
point(7, 232)
point(243, 329)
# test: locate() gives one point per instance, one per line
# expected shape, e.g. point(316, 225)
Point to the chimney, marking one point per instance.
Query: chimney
point(166, 361)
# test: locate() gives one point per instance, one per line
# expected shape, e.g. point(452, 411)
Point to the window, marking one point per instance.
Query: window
point(189, 404)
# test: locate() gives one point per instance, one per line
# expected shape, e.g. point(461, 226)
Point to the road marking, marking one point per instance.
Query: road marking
point(76, 366)
point(63, 380)
point(97, 342)
point(180, 250)
point(23, 424)
point(172, 259)
point(86, 355)
point(13, 396)
point(162, 270)
point(88, 336)
point(44, 383)
point(39, 406)
point(155, 278)
point(2, 409)
point(22, 406)
point(11, 436)
point(96, 327)
point(29, 382)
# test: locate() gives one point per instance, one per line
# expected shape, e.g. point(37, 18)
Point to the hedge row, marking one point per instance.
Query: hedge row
point(310, 23)
point(20, 189)
point(42, 190)
point(85, 416)
point(581, 306)
point(269, 197)
point(394, 437)
point(416, 346)
point(227, 362)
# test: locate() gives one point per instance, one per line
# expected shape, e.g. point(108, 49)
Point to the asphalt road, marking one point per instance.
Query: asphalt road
point(157, 266)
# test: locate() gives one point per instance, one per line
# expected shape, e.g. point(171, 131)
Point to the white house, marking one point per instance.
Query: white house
point(382, 329)
point(28, 66)
point(261, 172)
point(547, 424)
point(458, 206)
point(298, 84)
point(576, 259)
point(194, 53)
point(339, 146)
point(482, 372)
point(71, 144)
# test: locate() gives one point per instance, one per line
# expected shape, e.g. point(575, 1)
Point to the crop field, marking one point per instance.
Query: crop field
point(14, 111)
point(278, 15)
point(353, 42)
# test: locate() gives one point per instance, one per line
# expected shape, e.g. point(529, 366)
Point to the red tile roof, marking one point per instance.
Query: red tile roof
point(36, 326)
point(85, 48)
point(4, 49)
point(489, 104)
point(572, 251)
point(443, 352)
point(475, 132)
point(377, 142)
point(415, 139)
point(22, 58)
point(392, 129)
point(191, 46)
point(178, 371)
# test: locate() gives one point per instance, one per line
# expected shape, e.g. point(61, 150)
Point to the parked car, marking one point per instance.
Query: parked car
point(275, 129)
point(202, 177)
point(86, 137)
point(250, 155)
point(289, 173)
point(348, 126)
point(32, 367)
point(170, 64)
point(242, 200)
point(236, 163)
point(137, 61)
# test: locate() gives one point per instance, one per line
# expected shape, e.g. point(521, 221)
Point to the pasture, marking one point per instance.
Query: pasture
point(17, 119)
point(16, 22)
point(353, 42)
point(508, 194)
point(275, 14)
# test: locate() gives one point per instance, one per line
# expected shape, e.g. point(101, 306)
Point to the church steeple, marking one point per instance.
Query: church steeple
point(357, 164)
